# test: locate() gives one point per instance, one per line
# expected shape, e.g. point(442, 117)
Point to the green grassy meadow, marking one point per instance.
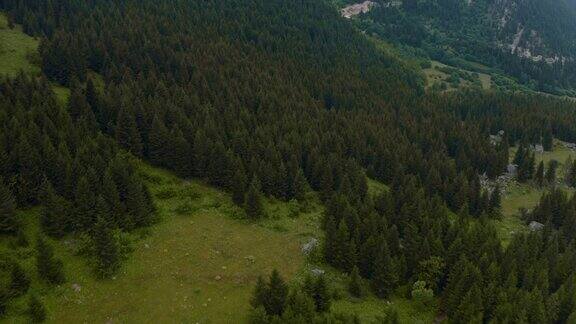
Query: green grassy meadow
point(16, 49)
point(526, 195)
point(199, 264)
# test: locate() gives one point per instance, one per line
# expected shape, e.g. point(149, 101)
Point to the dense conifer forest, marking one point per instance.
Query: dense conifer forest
point(275, 99)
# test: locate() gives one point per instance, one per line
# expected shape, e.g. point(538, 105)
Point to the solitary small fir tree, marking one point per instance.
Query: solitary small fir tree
point(355, 285)
point(36, 310)
point(321, 296)
point(254, 208)
point(278, 293)
point(4, 299)
point(539, 176)
point(106, 246)
point(239, 187)
point(49, 267)
point(19, 280)
point(8, 221)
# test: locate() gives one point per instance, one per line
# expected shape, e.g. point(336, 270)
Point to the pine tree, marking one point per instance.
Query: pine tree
point(344, 248)
point(106, 247)
point(300, 185)
point(8, 222)
point(158, 142)
point(49, 267)
point(355, 285)
point(470, 309)
point(55, 214)
point(300, 308)
point(36, 310)
point(84, 203)
point(571, 175)
point(539, 176)
point(5, 297)
point(258, 316)
point(112, 197)
point(551, 172)
point(391, 316)
point(253, 206)
point(278, 293)
point(548, 141)
point(495, 202)
point(19, 280)
point(385, 276)
point(260, 294)
point(239, 187)
point(321, 295)
point(127, 133)
point(138, 204)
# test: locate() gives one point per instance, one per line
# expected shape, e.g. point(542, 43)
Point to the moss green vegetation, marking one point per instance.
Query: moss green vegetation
point(17, 50)
point(19, 53)
point(376, 188)
point(441, 77)
point(518, 196)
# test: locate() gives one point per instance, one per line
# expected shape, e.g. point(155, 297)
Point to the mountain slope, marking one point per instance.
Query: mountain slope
point(534, 41)
point(278, 100)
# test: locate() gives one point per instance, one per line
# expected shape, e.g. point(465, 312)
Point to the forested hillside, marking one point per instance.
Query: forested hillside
point(280, 99)
point(532, 41)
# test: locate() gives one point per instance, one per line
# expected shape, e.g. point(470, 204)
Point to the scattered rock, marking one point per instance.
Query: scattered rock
point(218, 278)
point(535, 226)
point(224, 268)
point(317, 272)
point(356, 9)
point(76, 287)
point(250, 259)
point(147, 246)
point(310, 246)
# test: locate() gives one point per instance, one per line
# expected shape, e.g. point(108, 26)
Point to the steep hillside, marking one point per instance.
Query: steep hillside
point(533, 41)
point(281, 122)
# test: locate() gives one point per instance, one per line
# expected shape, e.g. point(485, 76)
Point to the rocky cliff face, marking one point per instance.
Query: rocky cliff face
point(540, 30)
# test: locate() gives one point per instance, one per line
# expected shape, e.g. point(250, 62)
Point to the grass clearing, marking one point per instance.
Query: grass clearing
point(438, 78)
point(195, 267)
point(371, 308)
point(199, 264)
point(16, 49)
point(376, 188)
point(526, 195)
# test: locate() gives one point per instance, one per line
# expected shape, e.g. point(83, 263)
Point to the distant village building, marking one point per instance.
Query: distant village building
point(535, 226)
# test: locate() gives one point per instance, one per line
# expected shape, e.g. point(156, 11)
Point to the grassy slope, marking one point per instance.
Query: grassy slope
point(18, 52)
point(194, 267)
point(196, 264)
point(527, 196)
point(15, 48)
point(435, 76)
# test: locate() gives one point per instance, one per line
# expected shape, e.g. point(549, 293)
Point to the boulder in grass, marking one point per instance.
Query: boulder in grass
point(535, 226)
point(310, 246)
point(317, 272)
